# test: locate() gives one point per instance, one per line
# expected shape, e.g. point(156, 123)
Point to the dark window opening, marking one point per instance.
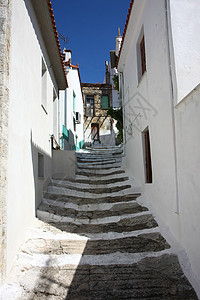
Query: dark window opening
point(148, 166)
point(143, 55)
point(89, 106)
point(40, 165)
point(74, 122)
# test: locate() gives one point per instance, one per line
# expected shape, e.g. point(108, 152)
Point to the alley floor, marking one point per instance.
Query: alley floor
point(93, 240)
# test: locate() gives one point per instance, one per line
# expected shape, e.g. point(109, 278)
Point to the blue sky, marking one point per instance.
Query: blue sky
point(90, 27)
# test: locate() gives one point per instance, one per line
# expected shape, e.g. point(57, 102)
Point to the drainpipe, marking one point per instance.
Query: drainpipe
point(59, 134)
point(170, 55)
point(65, 109)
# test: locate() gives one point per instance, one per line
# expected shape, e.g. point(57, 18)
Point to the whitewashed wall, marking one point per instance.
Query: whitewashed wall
point(188, 144)
point(174, 140)
point(29, 126)
point(185, 45)
point(74, 86)
point(66, 108)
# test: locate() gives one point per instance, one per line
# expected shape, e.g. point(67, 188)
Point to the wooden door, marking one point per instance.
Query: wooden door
point(95, 131)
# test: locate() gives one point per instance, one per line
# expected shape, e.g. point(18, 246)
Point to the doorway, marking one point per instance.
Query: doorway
point(95, 131)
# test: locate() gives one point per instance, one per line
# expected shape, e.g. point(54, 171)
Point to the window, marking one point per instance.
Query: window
point(147, 156)
point(40, 165)
point(74, 123)
point(74, 101)
point(141, 55)
point(44, 87)
point(89, 106)
point(104, 102)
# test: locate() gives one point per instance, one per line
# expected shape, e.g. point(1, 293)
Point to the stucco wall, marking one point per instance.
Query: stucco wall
point(64, 164)
point(30, 126)
point(66, 114)
point(188, 145)
point(5, 14)
point(185, 45)
point(173, 130)
point(146, 103)
point(74, 86)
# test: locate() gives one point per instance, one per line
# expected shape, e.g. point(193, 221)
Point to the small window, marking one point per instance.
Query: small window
point(141, 55)
point(44, 87)
point(74, 101)
point(74, 123)
point(147, 156)
point(104, 102)
point(40, 165)
point(89, 106)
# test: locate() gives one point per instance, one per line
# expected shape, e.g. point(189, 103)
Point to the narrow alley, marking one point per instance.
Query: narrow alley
point(93, 240)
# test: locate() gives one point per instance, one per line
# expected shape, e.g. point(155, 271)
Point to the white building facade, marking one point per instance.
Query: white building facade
point(111, 71)
point(159, 66)
point(71, 117)
point(34, 74)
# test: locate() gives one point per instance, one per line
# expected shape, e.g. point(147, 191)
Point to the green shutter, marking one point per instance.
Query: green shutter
point(65, 133)
point(81, 144)
point(104, 102)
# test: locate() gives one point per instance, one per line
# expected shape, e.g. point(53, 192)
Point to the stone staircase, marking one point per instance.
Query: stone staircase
point(95, 241)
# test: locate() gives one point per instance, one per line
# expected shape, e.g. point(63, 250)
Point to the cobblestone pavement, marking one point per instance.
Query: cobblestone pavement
point(93, 240)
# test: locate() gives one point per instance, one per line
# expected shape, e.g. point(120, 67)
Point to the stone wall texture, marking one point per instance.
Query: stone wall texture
point(5, 16)
point(98, 90)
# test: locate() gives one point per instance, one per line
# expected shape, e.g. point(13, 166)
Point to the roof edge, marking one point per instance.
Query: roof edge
point(125, 29)
point(56, 38)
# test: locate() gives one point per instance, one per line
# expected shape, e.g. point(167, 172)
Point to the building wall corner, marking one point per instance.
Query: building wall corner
point(5, 37)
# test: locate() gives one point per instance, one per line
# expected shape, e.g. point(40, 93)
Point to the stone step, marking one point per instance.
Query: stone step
point(151, 278)
point(95, 241)
point(92, 206)
point(102, 160)
point(90, 193)
point(98, 166)
point(102, 152)
point(85, 200)
point(125, 224)
point(99, 157)
point(86, 189)
point(100, 173)
point(104, 184)
point(101, 177)
point(115, 210)
point(94, 181)
point(152, 242)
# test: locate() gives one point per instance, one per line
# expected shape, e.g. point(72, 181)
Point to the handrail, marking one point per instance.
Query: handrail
point(53, 139)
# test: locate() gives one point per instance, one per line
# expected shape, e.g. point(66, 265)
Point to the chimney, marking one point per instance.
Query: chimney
point(118, 42)
point(107, 76)
point(68, 54)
